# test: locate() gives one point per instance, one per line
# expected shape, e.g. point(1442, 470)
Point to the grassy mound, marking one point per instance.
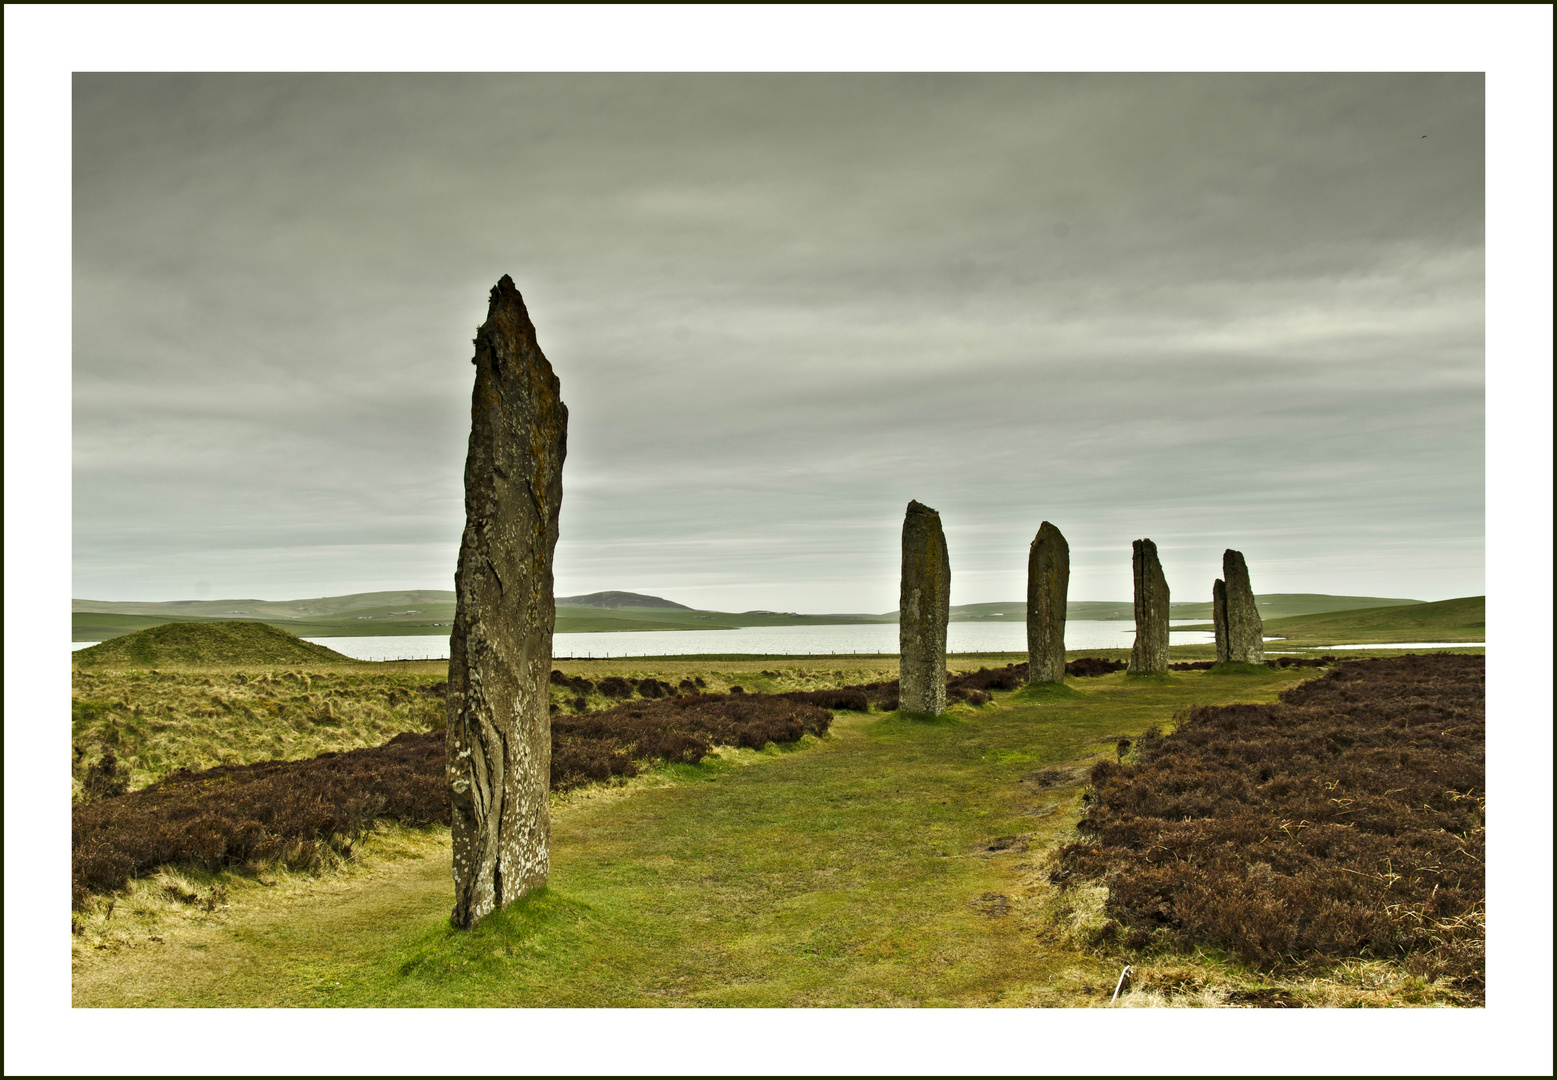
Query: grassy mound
point(205, 645)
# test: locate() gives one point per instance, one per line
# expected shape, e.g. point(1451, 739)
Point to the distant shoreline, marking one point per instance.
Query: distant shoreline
point(431, 614)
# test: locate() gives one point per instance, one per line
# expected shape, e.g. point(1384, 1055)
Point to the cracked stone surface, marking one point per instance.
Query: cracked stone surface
point(924, 605)
point(1238, 621)
point(1149, 655)
point(1048, 582)
point(499, 733)
point(1219, 618)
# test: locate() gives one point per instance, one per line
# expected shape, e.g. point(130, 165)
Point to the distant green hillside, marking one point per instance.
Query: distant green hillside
point(411, 611)
point(422, 612)
point(1284, 605)
point(272, 610)
point(1462, 619)
point(383, 620)
point(619, 600)
point(1272, 606)
point(186, 644)
point(583, 620)
point(431, 612)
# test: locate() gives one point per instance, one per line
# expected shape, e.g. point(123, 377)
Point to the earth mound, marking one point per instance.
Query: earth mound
point(206, 644)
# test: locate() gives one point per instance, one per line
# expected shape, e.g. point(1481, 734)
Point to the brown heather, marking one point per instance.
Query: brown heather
point(1345, 821)
point(296, 811)
point(293, 812)
point(284, 812)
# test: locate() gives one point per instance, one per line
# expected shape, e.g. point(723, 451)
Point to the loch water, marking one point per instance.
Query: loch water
point(862, 638)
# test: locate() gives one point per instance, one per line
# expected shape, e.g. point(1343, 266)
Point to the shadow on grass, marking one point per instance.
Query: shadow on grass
point(525, 929)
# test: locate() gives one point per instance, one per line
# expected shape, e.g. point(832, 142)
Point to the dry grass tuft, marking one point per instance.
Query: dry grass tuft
point(158, 723)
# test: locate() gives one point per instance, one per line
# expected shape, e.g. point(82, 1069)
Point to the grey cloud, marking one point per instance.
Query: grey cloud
point(1200, 308)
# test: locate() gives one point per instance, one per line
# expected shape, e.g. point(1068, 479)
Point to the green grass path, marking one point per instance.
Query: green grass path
point(856, 871)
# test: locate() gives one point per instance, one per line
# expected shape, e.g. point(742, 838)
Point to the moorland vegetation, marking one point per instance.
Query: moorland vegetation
point(1345, 820)
point(299, 812)
point(897, 860)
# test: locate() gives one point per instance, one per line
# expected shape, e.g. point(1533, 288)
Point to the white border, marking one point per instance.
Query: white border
point(1512, 43)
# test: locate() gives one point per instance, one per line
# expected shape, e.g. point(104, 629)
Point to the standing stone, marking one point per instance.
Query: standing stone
point(1048, 582)
point(1219, 618)
point(499, 734)
point(924, 605)
point(1150, 653)
point(1245, 630)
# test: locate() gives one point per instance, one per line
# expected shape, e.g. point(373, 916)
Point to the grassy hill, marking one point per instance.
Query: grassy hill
point(620, 600)
point(584, 620)
point(206, 644)
point(1462, 619)
point(414, 611)
point(270, 609)
point(1285, 605)
point(425, 612)
point(1272, 606)
point(431, 612)
point(95, 626)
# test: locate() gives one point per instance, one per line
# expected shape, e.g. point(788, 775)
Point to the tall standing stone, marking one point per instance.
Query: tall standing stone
point(1048, 582)
point(499, 734)
point(1245, 632)
point(1150, 653)
point(924, 606)
point(1219, 618)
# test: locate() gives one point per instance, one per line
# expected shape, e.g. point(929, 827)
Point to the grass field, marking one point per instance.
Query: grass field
point(894, 862)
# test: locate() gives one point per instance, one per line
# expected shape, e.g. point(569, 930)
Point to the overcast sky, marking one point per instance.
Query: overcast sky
point(1261, 328)
point(1215, 310)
